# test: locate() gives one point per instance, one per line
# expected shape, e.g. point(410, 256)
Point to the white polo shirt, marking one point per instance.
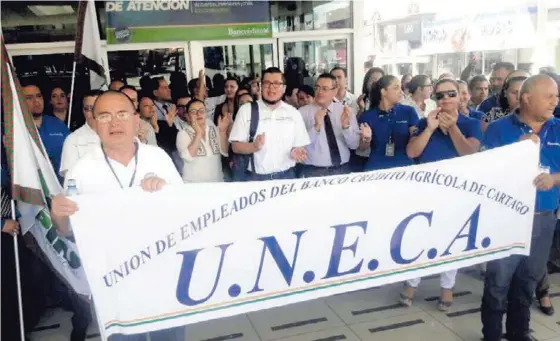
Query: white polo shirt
point(284, 129)
point(93, 174)
point(77, 145)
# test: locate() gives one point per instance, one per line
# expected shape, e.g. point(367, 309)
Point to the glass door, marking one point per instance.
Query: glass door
point(134, 61)
point(304, 59)
point(232, 58)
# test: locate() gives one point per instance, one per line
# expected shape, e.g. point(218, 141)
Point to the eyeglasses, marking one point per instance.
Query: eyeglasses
point(120, 116)
point(200, 111)
point(275, 85)
point(323, 88)
point(450, 93)
point(181, 107)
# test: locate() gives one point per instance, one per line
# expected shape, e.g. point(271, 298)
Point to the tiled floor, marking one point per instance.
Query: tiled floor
point(358, 316)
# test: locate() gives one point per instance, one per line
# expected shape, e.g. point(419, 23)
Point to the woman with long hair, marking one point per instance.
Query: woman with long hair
point(202, 144)
point(443, 134)
point(387, 126)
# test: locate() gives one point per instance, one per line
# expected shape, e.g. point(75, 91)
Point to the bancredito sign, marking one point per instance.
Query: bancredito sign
point(205, 251)
point(176, 20)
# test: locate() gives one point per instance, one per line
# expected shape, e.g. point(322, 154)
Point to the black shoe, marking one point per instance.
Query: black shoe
point(78, 335)
point(548, 311)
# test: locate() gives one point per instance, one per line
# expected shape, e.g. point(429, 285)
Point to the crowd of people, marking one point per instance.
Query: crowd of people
point(267, 129)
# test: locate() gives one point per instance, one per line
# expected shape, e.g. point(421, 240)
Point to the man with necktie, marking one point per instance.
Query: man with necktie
point(333, 131)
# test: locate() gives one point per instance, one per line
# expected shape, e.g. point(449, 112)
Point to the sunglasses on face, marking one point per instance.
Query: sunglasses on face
point(450, 93)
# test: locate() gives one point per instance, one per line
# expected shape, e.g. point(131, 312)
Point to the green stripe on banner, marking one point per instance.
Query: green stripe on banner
point(133, 324)
point(186, 33)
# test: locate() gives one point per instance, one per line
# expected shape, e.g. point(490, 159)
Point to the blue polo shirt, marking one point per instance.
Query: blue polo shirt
point(477, 115)
point(557, 112)
point(440, 146)
point(53, 132)
point(393, 126)
point(488, 104)
point(509, 129)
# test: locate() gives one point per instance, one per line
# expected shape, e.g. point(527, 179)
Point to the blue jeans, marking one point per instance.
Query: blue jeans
point(287, 174)
point(510, 283)
point(308, 171)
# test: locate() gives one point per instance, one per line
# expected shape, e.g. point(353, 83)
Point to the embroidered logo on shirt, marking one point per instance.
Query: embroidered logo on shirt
point(401, 122)
point(556, 144)
point(56, 134)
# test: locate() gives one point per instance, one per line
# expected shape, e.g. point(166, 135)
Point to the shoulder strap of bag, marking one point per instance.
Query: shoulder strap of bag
point(253, 128)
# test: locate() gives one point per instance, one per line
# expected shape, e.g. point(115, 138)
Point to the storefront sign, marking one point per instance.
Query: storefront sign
point(176, 20)
point(489, 31)
point(411, 31)
point(198, 252)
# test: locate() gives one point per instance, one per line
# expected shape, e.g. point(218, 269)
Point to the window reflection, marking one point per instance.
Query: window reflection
point(304, 61)
point(294, 16)
point(132, 65)
point(238, 61)
point(42, 21)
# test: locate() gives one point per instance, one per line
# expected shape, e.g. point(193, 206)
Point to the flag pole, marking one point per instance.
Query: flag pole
point(72, 93)
point(18, 276)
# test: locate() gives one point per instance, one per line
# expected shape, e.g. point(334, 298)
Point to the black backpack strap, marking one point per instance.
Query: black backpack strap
point(253, 129)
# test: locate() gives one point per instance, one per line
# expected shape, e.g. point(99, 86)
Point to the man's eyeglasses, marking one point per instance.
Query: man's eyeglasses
point(120, 116)
point(181, 107)
point(275, 85)
point(449, 93)
point(200, 111)
point(323, 88)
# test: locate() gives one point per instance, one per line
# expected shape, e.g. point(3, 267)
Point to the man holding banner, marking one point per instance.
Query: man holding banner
point(510, 282)
point(119, 162)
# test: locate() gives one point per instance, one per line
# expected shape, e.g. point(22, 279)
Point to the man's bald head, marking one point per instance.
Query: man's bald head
point(111, 95)
point(116, 119)
point(539, 96)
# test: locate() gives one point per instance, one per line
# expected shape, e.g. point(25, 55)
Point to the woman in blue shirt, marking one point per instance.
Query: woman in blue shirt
point(443, 134)
point(387, 126)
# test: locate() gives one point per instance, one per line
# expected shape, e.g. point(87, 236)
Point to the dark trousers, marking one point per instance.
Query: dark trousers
point(543, 286)
point(81, 318)
point(357, 162)
point(308, 171)
point(510, 283)
point(287, 174)
point(32, 270)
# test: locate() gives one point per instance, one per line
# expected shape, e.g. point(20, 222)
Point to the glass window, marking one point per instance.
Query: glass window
point(450, 62)
point(404, 68)
point(39, 22)
point(493, 57)
point(425, 68)
point(304, 61)
point(294, 16)
point(134, 64)
point(238, 61)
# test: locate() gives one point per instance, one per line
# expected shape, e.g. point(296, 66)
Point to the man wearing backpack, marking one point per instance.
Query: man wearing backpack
point(269, 136)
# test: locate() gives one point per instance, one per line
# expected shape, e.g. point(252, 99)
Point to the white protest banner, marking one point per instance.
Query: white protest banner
point(204, 251)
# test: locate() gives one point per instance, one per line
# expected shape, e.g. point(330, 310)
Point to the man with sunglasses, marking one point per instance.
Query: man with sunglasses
point(80, 142)
point(510, 282)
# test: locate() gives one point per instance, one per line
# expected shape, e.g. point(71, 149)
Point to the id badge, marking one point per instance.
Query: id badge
point(544, 169)
point(390, 149)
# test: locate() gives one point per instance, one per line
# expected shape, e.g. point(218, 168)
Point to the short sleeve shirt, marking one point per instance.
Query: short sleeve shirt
point(389, 127)
point(93, 174)
point(440, 146)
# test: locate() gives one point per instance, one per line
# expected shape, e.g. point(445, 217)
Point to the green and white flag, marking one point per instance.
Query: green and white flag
point(33, 181)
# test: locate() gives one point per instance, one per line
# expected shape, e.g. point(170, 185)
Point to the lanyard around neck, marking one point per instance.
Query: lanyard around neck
point(113, 170)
